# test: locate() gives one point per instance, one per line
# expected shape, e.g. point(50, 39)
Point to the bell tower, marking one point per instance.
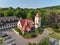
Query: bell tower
point(37, 20)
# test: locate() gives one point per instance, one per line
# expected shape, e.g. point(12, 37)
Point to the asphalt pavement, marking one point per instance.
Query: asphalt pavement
point(19, 40)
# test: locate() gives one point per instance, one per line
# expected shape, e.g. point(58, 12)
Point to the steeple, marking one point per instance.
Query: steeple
point(38, 15)
point(37, 20)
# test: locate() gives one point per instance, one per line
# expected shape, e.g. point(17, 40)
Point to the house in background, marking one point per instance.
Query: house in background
point(26, 25)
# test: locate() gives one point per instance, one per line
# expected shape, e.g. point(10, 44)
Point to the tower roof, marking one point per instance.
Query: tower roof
point(38, 15)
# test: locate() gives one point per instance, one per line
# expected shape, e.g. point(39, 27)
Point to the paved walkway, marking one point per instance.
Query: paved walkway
point(21, 41)
point(37, 39)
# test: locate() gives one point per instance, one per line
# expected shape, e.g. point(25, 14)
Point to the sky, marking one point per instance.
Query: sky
point(28, 3)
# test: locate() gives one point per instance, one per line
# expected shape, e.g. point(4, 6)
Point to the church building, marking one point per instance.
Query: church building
point(28, 24)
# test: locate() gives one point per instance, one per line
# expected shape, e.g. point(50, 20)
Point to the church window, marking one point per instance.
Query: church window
point(39, 20)
point(19, 24)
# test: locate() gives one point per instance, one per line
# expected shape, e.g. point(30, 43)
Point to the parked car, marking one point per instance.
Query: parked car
point(11, 44)
point(5, 36)
point(2, 34)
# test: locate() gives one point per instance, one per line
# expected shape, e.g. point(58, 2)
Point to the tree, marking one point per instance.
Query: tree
point(9, 12)
point(1, 14)
point(31, 14)
point(52, 20)
point(17, 13)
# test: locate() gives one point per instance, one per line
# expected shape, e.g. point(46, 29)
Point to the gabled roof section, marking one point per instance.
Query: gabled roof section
point(22, 22)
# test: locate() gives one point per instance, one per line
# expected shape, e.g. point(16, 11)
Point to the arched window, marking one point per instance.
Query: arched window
point(39, 20)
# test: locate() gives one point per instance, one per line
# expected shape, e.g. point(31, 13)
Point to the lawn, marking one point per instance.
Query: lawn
point(56, 30)
point(53, 35)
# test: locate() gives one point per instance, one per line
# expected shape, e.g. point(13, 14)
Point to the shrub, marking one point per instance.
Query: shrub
point(34, 44)
point(29, 43)
point(26, 35)
point(29, 35)
point(39, 31)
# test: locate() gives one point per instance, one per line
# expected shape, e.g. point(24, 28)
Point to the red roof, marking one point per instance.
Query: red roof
point(26, 24)
point(22, 22)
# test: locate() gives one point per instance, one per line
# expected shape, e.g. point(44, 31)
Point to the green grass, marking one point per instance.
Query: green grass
point(53, 35)
point(56, 30)
point(18, 30)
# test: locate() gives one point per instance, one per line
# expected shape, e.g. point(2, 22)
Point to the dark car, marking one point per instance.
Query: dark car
point(7, 37)
point(11, 44)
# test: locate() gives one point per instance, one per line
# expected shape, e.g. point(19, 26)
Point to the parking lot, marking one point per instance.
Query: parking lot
point(15, 39)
